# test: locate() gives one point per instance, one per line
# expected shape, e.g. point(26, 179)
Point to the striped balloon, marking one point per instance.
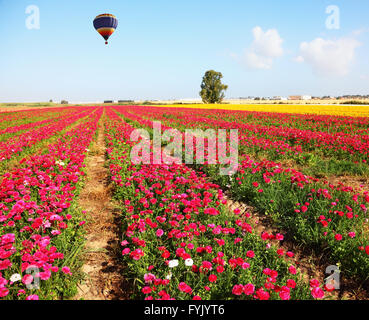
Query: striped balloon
point(105, 24)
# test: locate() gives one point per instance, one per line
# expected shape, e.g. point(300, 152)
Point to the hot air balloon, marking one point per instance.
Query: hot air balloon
point(105, 24)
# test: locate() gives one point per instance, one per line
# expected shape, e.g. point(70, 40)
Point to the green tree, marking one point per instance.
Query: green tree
point(212, 88)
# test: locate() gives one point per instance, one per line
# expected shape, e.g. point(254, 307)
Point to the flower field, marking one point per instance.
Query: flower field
point(307, 109)
point(304, 176)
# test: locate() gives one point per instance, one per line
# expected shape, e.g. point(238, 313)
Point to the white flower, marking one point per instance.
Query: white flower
point(60, 163)
point(15, 277)
point(173, 263)
point(189, 262)
point(169, 276)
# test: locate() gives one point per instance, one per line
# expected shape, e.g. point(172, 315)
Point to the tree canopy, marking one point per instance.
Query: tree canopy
point(212, 88)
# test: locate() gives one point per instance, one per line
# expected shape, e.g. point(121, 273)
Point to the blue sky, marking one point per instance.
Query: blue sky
point(162, 48)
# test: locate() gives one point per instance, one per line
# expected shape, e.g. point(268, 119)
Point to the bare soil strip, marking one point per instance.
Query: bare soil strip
point(103, 269)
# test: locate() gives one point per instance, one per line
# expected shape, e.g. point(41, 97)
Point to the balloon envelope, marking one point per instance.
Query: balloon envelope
point(105, 24)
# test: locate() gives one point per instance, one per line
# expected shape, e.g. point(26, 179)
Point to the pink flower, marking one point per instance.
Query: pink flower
point(126, 251)
point(159, 233)
point(317, 293)
point(292, 270)
point(66, 270)
point(284, 294)
point(45, 275)
point(149, 278)
point(27, 279)
point(352, 234)
point(190, 246)
point(279, 237)
point(20, 292)
point(249, 289)
point(184, 287)
point(245, 265)
point(5, 264)
point(3, 292)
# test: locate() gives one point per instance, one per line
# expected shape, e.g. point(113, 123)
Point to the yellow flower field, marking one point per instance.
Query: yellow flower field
point(337, 110)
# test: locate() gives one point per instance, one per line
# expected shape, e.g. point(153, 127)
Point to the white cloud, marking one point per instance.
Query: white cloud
point(329, 57)
point(265, 47)
point(267, 44)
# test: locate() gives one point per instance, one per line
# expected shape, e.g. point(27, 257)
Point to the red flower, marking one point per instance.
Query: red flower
point(317, 293)
point(367, 250)
point(291, 283)
point(220, 269)
point(213, 278)
point(249, 289)
point(146, 290)
point(314, 283)
point(261, 294)
point(338, 237)
point(237, 290)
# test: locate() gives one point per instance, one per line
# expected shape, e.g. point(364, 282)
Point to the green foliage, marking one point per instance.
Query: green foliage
point(358, 102)
point(212, 88)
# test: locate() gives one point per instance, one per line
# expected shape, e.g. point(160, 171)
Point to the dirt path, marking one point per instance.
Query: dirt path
point(104, 280)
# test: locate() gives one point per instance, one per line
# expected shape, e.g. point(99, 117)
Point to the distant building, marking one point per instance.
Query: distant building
point(278, 98)
point(246, 98)
point(294, 98)
point(108, 101)
point(303, 97)
point(125, 101)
